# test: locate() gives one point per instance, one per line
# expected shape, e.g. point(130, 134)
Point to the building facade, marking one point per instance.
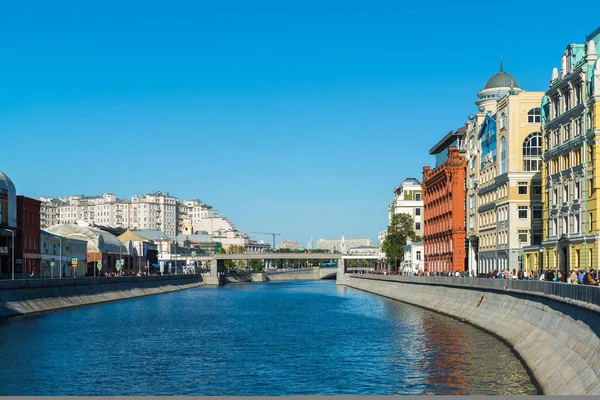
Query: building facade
point(413, 257)
point(341, 245)
point(8, 226)
point(481, 156)
point(571, 132)
point(444, 197)
point(509, 187)
point(408, 199)
point(28, 236)
point(57, 253)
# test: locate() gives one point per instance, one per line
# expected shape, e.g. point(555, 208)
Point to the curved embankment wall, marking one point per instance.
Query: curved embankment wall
point(557, 340)
point(32, 296)
point(304, 274)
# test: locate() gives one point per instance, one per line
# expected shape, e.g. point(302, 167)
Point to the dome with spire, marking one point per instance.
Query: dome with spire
point(501, 79)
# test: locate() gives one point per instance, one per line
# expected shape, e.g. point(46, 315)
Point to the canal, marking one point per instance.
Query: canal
point(259, 339)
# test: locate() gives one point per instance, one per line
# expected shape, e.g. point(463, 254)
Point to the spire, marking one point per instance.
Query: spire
point(501, 66)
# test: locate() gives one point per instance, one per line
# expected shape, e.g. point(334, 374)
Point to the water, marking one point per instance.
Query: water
point(275, 338)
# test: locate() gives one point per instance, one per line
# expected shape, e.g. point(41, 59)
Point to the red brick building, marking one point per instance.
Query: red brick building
point(444, 197)
point(27, 251)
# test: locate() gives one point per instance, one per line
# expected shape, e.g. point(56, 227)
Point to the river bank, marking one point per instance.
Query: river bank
point(22, 297)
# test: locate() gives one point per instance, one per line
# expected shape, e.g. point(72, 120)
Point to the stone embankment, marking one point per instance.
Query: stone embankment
point(22, 297)
point(557, 338)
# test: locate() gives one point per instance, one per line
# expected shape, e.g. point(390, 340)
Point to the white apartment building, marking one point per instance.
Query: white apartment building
point(155, 211)
point(414, 256)
point(408, 199)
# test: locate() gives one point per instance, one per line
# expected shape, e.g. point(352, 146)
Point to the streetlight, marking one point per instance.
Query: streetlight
point(13, 251)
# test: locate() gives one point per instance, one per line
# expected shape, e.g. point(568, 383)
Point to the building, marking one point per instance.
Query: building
point(104, 250)
point(49, 214)
point(570, 118)
point(155, 211)
point(413, 257)
point(509, 182)
point(145, 250)
point(365, 251)
point(498, 86)
point(57, 253)
point(408, 200)
point(286, 244)
point(444, 197)
point(28, 237)
point(8, 226)
point(341, 245)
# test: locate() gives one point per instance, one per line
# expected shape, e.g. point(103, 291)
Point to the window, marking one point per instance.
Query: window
point(417, 211)
point(537, 212)
point(536, 188)
point(567, 97)
point(418, 196)
point(503, 121)
point(565, 193)
point(523, 236)
point(565, 225)
point(577, 94)
point(534, 116)
point(417, 226)
point(418, 256)
point(532, 152)
point(523, 187)
point(576, 190)
point(576, 226)
point(522, 212)
point(503, 155)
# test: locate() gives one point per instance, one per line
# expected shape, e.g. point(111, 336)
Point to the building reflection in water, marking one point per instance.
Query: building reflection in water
point(452, 357)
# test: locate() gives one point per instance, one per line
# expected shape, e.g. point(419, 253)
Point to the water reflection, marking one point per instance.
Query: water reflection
point(276, 338)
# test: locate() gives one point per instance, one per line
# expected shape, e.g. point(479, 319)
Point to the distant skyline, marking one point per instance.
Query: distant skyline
point(289, 117)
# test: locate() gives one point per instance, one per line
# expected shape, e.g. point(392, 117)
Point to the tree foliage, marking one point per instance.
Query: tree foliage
point(399, 230)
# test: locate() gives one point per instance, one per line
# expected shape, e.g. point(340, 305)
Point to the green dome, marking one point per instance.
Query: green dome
point(501, 79)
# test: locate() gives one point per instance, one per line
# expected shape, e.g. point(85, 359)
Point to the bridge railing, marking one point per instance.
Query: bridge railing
point(584, 293)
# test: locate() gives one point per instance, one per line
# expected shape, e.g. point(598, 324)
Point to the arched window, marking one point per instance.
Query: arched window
point(503, 155)
point(532, 152)
point(503, 121)
point(534, 116)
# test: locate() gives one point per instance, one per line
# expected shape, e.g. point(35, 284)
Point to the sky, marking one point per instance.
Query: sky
point(295, 117)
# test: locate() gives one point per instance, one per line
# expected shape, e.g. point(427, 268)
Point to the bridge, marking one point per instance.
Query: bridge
point(217, 265)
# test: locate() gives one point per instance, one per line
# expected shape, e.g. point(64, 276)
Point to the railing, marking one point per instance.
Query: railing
point(584, 293)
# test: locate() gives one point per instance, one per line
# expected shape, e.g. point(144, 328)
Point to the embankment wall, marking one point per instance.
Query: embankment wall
point(22, 297)
point(558, 340)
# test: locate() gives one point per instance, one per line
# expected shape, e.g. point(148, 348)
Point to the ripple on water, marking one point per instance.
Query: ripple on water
point(276, 338)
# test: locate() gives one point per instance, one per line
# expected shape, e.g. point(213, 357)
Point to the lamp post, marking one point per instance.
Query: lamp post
point(13, 251)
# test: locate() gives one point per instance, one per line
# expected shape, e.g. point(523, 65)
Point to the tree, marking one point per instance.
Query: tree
point(399, 230)
point(256, 265)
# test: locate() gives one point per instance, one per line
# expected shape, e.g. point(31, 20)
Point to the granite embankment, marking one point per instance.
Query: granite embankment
point(22, 297)
point(556, 337)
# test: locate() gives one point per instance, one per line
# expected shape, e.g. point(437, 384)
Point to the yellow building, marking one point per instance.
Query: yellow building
point(509, 188)
point(571, 129)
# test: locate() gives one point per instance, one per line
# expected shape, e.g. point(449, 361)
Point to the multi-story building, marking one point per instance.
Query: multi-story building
point(413, 257)
point(155, 211)
point(286, 244)
point(28, 236)
point(341, 245)
point(408, 200)
point(481, 151)
point(49, 214)
point(570, 116)
point(444, 206)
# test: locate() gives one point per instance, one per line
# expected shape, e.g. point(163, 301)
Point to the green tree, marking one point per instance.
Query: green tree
point(399, 230)
point(256, 265)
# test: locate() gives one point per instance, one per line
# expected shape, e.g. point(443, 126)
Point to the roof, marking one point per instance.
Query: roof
point(154, 235)
point(501, 80)
point(196, 238)
point(447, 140)
point(6, 184)
point(97, 239)
point(131, 236)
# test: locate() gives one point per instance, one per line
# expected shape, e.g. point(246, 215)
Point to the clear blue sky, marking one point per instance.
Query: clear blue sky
point(297, 117)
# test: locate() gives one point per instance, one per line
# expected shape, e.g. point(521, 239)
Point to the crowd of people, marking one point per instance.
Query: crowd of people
point(575, 277)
